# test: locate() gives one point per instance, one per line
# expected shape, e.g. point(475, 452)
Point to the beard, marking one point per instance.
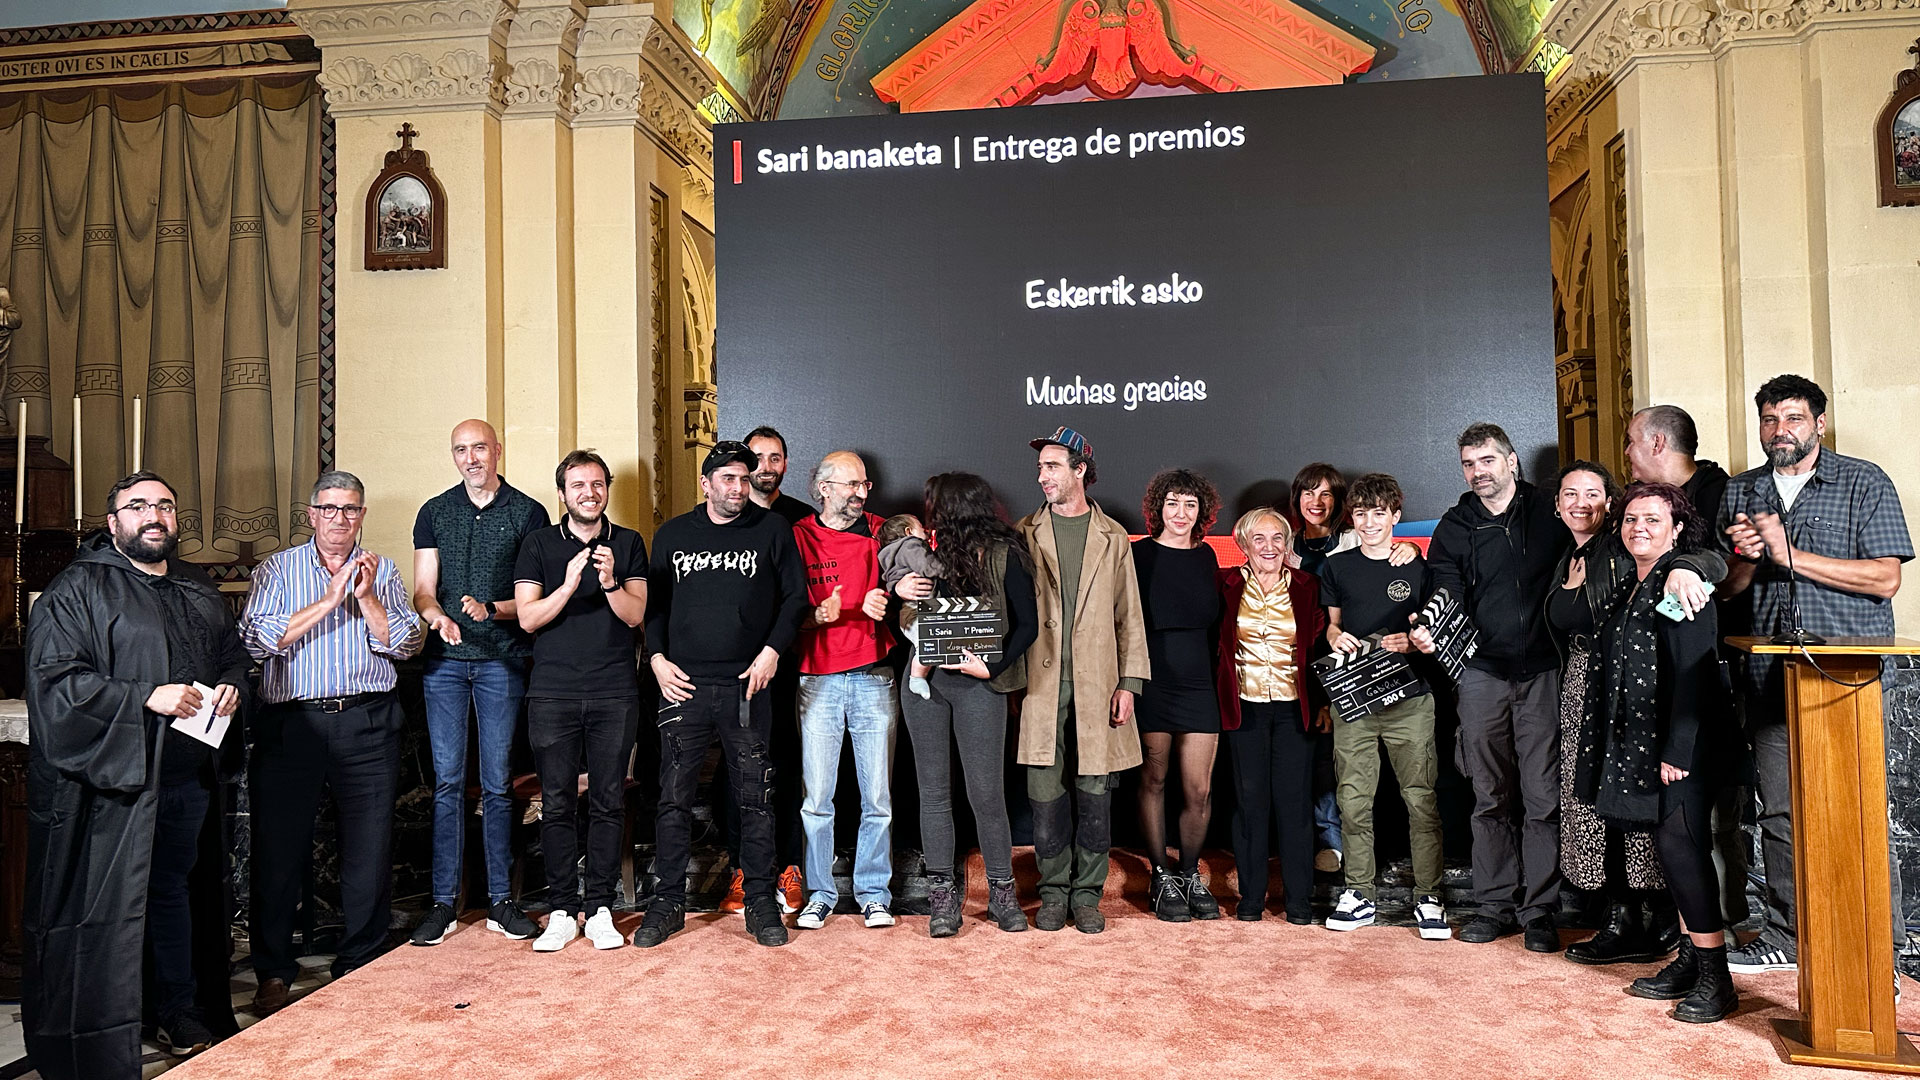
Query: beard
point(1781, 457)
point(142, 547)
point(579, 519)
point(766, 483)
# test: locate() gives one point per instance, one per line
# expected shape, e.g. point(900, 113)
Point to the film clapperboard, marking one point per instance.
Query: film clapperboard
point(1374, 679)
point(947, 625)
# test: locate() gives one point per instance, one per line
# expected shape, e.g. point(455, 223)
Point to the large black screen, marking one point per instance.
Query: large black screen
point(1239, 283)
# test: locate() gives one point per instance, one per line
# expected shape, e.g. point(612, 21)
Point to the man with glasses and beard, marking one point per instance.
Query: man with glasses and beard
point(118, 801)
point(326, 620)
point(725, 594)
point(1835, 523)
point(581, 588)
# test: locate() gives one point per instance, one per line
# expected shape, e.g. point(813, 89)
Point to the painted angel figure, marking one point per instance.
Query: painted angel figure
point(1119, 34)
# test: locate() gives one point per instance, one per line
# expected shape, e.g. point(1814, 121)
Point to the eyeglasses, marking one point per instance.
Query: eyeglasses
point(861, 486)
point(330, 511)
point(140, 507)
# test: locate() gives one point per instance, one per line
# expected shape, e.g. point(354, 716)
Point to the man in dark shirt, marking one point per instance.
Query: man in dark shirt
point(580, 587)
point(1833, 522)
point(465, 541)
point(1495, 552)
point(725, 597)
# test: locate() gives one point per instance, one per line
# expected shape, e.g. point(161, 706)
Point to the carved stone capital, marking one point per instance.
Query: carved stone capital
point(606, 93)
point(338, 23)
point(415, 55)
point(547, 23)
point(696, 186)
point(407, 80)
point(622, 28)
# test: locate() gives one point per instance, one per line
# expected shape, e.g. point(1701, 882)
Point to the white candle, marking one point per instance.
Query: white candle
point(137, 433)
point(78, 500)
point(20, 470)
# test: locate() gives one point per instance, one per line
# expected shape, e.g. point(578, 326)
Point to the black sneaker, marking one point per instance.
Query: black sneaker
point(1541, 935)
point(943, 904)
point(506, 918)
point(1758, 956)
point(662, 921)
point(433, 930)
point(763, 921)
point(1200, 899)
point(186, 1035)
point(1484, 928)
point(1169, 899)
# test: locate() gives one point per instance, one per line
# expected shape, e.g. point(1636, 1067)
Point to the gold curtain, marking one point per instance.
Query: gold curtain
point(165, 242)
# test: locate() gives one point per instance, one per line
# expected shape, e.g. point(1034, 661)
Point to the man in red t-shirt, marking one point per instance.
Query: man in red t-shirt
point(846, 689)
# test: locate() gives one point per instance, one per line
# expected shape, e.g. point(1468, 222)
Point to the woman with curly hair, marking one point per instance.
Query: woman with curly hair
point(1176, 570)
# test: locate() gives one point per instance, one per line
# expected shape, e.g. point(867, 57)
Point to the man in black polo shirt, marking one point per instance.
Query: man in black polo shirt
point(581, 588)
point(465, 541)
point(725, 596)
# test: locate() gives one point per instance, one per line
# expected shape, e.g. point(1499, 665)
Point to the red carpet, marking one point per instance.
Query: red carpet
point(1145, 999)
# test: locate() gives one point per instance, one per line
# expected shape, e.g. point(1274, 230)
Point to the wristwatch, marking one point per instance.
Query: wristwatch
point(615, 587)
point(491, 613)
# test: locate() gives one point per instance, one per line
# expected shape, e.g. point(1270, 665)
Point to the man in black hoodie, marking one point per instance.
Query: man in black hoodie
point(1495, 551)
point(725, 594)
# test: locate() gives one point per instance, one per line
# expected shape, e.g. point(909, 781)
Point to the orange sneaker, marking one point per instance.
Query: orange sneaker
point(788, 891)
point(736, 901)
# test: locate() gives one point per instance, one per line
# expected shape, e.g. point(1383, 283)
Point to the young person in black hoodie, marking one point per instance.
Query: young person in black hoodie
point(725, 594)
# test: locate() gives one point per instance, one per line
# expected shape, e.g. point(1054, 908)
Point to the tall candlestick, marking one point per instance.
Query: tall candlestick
point(138, 431)
point(79, 500)
point(20, 470)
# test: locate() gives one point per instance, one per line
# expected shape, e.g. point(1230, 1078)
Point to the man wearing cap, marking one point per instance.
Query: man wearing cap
point(1084, 670)
point(725, 594)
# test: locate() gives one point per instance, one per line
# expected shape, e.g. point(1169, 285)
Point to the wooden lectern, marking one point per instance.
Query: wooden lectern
point(1839, 754)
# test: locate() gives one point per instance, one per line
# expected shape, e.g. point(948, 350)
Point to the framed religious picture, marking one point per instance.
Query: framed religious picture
point(406, 212)
point(1896, 137)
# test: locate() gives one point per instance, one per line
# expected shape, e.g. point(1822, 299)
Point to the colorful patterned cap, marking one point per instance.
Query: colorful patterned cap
point(1067, 437)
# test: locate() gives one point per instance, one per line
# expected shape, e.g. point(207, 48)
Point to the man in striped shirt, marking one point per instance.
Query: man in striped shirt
point(326, 620)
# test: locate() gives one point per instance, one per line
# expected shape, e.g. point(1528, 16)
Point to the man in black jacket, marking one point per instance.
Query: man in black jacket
point(121, 823)
point(725, 594)
point(1495, 551)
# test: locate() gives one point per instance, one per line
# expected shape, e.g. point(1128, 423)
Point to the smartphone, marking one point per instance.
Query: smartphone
point(1671, 607)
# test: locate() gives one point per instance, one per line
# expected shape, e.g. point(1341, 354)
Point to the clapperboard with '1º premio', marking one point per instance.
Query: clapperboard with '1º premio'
point(950, 624)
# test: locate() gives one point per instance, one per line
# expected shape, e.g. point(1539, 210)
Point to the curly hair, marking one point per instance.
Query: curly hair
point(1170, 482)
point(966, 520)
point(1692, 532)
point(1306, 480)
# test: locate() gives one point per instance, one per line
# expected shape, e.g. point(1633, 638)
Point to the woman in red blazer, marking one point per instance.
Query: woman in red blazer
point(1270, 620)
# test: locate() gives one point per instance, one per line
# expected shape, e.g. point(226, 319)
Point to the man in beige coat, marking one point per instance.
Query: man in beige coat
point(1092, 638)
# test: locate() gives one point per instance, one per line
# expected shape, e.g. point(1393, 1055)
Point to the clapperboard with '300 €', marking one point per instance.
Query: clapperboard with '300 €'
point(1360, 684)
point(949, 624)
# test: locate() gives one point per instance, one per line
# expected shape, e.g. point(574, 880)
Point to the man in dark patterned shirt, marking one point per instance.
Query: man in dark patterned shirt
point(1837, 521)
point(465, 540)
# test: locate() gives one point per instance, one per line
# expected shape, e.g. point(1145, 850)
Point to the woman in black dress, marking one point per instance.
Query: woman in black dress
point(1179, 707)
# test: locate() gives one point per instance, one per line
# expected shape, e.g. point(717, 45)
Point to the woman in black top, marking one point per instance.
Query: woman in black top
point(981, 555)
point(1176, 569)
point(1652, 749)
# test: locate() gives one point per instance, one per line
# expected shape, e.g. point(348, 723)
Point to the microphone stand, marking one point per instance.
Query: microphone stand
point(1799, 635)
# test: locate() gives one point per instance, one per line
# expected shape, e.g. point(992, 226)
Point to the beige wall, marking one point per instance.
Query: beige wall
point(1754, 243)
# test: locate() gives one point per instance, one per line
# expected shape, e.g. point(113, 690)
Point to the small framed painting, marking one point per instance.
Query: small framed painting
point(1897, 138)
point(406, 212)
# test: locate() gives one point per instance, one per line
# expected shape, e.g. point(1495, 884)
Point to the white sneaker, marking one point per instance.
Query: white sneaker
point(561, 928)
point(1352, 912)
point(1430, 918)
point(877, 914)
point(600, 931)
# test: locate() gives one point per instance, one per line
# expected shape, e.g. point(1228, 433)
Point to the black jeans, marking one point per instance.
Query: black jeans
point(298, 751)
point(1273, 782)
point(570, 737)
point(176, 846)
point(718, 709)
point(789, 840)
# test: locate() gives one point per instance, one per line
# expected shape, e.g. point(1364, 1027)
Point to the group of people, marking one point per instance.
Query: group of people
point(1598, 730)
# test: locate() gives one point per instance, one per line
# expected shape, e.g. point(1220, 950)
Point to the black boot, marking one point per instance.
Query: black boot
point(1663, 924)
point(1677, 979)
point(1169, 899)
point(1003, 907)
point(943, 903)
point(1713, 997)
point(1624, 941)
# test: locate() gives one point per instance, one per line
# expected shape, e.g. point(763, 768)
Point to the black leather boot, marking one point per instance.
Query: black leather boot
point(1623, 940)
point(1713, 997)
point(943, 903)
point(1663, 924)
point(1677, 979)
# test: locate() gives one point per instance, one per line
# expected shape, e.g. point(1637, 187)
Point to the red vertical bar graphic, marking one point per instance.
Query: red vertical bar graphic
point(736, 161)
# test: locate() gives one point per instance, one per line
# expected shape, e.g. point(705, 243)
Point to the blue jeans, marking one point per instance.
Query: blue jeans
point(494, 688)
point(863, 705)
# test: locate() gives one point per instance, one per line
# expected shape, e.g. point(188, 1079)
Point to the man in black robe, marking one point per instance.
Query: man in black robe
point(113, 647)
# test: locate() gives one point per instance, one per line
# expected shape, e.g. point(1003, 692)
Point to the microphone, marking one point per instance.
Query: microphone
point(1798, 635)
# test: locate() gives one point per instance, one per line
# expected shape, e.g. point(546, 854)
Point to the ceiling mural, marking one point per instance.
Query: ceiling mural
point(803, 58)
